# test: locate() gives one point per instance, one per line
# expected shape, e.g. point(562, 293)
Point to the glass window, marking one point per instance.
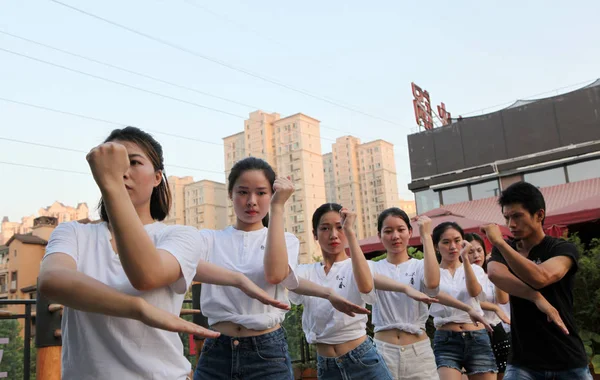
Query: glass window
point(456, 195)
point(545, 178)
point(485, 190)
point(427, 200)
point(584, 170)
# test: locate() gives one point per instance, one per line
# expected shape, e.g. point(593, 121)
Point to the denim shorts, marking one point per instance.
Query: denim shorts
point(263, 357)
point(522, 373)
point(362, 363)
point(470, 350)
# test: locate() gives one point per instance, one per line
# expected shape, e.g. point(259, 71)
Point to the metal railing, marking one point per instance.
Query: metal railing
point(27, 317)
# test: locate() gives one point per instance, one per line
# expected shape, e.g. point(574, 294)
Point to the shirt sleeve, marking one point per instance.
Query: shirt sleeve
point(565, 248)
point(497, 256)
point(482, 278)
point(293, 247)
point(186, 245)
point(371, 297)
point(64, 240)
point(295, 298)
point(421, 278)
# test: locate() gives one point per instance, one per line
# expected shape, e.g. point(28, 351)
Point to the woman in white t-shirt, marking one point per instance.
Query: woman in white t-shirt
point(124, 279)
point(399, 320)
point(459, 342)
point(343, 347)
point(494, 306)
point(252, 344)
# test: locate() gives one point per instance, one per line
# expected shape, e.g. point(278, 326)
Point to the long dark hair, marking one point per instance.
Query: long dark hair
point(251, 163)
point(160, 200)
point(392, 211)
point(322, 210)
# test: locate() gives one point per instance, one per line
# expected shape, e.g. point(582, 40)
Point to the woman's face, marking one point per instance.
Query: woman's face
point(330, 234)
point(251, 197)
point(477, 253)
point(394, 234)
point(450, 245)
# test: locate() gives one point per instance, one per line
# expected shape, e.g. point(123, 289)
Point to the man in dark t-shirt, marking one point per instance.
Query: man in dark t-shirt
point(538, 272)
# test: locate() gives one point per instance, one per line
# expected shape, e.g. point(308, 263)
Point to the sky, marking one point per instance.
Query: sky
point(348, 64)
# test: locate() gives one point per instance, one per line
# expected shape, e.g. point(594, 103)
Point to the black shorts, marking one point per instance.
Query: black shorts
point(501, 342)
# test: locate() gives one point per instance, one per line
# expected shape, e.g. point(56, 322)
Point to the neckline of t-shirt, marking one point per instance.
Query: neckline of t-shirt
point(397, 265)
point(236, 231)
point(108, 235)
point(321, 270)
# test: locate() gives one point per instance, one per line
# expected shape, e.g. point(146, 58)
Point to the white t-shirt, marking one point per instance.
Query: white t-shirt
point(244, 252)
point(457, 287)
point(97, 346)
point(321, 322)
point(396, 310)
point(490, 296)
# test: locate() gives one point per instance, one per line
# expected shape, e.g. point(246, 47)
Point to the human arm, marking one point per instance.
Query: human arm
point(537, 276)
point(276, 255)
point(387, 284)
point(60, 282)
point(473, 286)
point(360, 266)
point(431, 268)
point(209, 273)
point(309, 288)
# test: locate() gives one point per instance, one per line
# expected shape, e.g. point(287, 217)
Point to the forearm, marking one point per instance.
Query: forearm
point(447, 300)
point(309, 288)
point(473, 285)
point(508, 282)
point(276, 258)
point(387, 284)
point(489, 306)
point(501, 296)
point(78, 291)
point(525, 269)
point(208, 273)
point(360, 266)
point(431, 266)
point(137, 253)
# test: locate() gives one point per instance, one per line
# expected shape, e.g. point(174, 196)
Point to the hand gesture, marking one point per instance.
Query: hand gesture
point(161, 319)
point(493, 233)
point(553, 316)
point(502, 315)
point(254, 291)
point(348, 219)
point(345, 306)
point(283, 188)
point(477, 319)
point(466, 248)
point(424, 224)
point(421, 297)
point(109, 162)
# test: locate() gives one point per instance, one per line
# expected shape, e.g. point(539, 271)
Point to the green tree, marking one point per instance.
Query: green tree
point(12, 358)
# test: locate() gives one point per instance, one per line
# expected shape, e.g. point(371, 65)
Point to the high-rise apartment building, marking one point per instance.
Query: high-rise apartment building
point(362, 177)
point(292, 146)
point(206, 205)
point(177, 186)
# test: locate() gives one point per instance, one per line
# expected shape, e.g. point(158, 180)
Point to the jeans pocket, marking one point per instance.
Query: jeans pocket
point(209, 344)
point(273, 351)
point(370, 358)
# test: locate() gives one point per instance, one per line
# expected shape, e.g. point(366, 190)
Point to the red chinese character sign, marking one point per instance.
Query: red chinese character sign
point(423, 113)
point(422, 106)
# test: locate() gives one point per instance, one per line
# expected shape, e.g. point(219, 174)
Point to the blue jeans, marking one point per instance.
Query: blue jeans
point(263, 357)
point(362, 363)
point(470, 350)
point(522, 373)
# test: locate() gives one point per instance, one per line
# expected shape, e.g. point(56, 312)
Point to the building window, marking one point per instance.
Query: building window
point(456, 195)
point(584, 170)
point(427, 200)
point(485, 190)
point(545, 178)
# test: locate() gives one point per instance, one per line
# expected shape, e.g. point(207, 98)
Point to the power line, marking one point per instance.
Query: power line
point(223, 63)
point(128, 70)
point(42, 167)
point(85, 152)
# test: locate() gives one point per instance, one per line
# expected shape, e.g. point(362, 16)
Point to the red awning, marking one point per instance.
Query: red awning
point(438, 216)
point(583, 211)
